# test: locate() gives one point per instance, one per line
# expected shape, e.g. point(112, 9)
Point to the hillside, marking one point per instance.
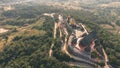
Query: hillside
point(30, 35)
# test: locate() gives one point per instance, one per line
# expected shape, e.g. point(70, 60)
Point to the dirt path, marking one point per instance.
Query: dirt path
point(3, 30)
point(54, 36)
point(106, 59)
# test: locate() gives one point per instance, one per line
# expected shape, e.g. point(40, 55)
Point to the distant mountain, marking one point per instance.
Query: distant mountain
point(82, 1)
point(13, 2)
point(78, 2)
point(89, 1)
point(97, 1)
point(5, 1)
point(112, 4)
point(9, 1)
point(107, 1)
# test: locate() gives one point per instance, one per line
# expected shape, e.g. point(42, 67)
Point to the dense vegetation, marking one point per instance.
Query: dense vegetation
point(27, 46)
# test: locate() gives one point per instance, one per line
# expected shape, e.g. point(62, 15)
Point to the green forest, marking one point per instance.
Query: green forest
point(30, 35)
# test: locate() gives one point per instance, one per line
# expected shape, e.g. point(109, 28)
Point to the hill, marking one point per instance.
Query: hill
point(27, 43)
